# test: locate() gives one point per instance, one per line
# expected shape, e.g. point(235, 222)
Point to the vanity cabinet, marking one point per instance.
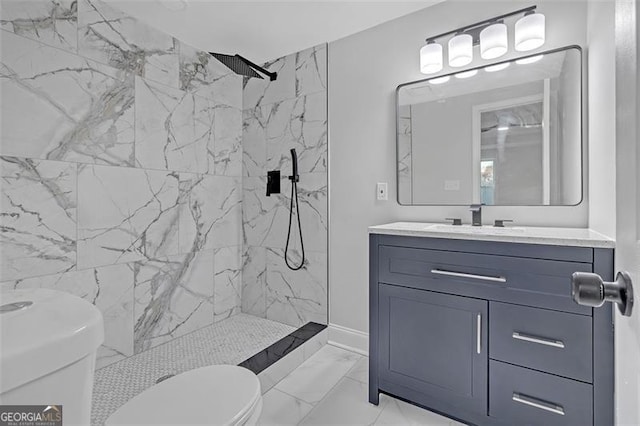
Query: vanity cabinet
point(487, 332)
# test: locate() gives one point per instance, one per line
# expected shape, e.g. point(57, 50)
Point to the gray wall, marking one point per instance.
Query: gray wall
point(290, 112)
point(364, 71)
point(121, 171)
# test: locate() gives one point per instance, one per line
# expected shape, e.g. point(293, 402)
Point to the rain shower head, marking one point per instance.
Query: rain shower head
point(243, 66)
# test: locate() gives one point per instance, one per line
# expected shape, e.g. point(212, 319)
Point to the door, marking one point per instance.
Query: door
point(627, 329)
point(433, 348)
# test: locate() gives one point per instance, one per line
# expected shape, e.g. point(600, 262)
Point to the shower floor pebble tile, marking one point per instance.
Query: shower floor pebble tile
point(227, 342)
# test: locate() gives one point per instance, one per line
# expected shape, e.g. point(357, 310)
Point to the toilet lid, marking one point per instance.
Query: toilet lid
point(215, 395)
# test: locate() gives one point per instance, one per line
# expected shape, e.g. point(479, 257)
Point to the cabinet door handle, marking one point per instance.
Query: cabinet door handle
point(472, 276)
point(542, 405)
point(539, 340)
point(479, 333)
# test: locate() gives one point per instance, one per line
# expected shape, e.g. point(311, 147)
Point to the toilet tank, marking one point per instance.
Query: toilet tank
point(48, 345)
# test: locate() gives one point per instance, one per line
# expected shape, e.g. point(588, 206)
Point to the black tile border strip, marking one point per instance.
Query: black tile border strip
point(269, 356)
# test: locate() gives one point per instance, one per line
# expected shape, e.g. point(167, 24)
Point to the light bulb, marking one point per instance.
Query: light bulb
point(493, 41)
point(460, 50)
point(431, 58)
point(530, 32)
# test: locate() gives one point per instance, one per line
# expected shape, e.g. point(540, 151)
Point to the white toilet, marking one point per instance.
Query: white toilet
point(215, 395)
point(48, 351)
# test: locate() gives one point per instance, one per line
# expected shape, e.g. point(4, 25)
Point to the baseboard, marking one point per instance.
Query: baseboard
point(349, 339)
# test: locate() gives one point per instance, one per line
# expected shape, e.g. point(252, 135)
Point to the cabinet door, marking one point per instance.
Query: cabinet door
point(433, 347)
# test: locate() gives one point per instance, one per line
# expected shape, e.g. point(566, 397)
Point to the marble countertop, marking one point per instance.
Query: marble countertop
point(575, 237)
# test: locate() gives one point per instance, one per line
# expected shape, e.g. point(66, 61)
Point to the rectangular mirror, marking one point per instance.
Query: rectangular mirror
point(505, 134)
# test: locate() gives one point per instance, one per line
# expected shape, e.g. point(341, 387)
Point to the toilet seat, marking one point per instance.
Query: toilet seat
point(214, 395)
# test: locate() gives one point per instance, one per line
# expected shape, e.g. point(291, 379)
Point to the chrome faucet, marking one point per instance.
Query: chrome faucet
point(476, 214)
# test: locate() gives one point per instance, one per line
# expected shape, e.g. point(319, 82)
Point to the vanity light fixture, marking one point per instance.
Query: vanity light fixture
point(466, 74)
point(431, 58)
point(492, 36)
point(529, 60)
point(530, 32)
point(498, 67)
point(494, 41)
point(439, 80)
point(460, 50)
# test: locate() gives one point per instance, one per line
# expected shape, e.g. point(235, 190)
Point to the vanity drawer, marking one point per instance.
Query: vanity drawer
point(519, 396)
point(551, 341)
point(536, 282)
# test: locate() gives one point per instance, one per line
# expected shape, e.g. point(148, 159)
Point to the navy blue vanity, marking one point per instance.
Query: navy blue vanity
point(485, 331)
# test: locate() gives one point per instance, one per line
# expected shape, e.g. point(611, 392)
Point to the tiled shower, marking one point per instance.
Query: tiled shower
point(133, 175)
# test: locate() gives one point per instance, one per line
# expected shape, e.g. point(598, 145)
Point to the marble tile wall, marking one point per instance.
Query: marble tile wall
point(290, 112)
point(121, 165)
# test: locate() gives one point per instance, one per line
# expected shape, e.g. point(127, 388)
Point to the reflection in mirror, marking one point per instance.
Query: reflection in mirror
point(509, 135)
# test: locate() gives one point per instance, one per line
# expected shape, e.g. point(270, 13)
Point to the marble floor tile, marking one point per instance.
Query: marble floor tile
point(396, 412)
point(280, 409)
point(317, 375)
point(52, 22)
point(360, 371)
point(346, 404)
point(39, 217)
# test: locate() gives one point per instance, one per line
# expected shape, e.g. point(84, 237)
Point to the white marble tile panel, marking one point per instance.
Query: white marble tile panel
point(110, 289)
point(227, 282)
point(123, 42)
point(173, 296)
point(311, 70)
point(254, 276)
point(260, 92)
point(296, 297)
point(227, 146)
point(60, 106)
point(261, 215)
point(314, 344)
point(174, 129)
point(125, 215)
point(346, 404)
point(317, 375)
point(38, 210)
point(203, 74)
point(254, 142)
point(210, 212)
point(52, 22)
point(299, 123)
point(280, 409)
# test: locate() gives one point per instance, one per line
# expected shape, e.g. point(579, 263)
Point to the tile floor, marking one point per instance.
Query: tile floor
point(330, 388)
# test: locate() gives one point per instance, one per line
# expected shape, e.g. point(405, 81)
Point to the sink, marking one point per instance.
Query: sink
point(478, 230)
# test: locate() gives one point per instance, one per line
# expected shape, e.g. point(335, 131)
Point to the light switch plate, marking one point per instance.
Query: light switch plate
point(381, 190)
point(452, 185)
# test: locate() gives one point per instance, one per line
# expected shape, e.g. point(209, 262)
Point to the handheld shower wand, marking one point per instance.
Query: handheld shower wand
point(294, 178)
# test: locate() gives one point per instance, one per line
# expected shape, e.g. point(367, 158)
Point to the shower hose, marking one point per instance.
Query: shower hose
point(294, 194)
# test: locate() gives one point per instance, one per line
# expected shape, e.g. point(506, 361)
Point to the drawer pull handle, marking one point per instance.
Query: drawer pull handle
point(479, 333)
point(473, 276)
point(542, 405)
point(538, 340)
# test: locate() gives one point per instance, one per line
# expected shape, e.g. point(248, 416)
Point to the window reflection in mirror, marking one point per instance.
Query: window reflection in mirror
point(512, 136)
